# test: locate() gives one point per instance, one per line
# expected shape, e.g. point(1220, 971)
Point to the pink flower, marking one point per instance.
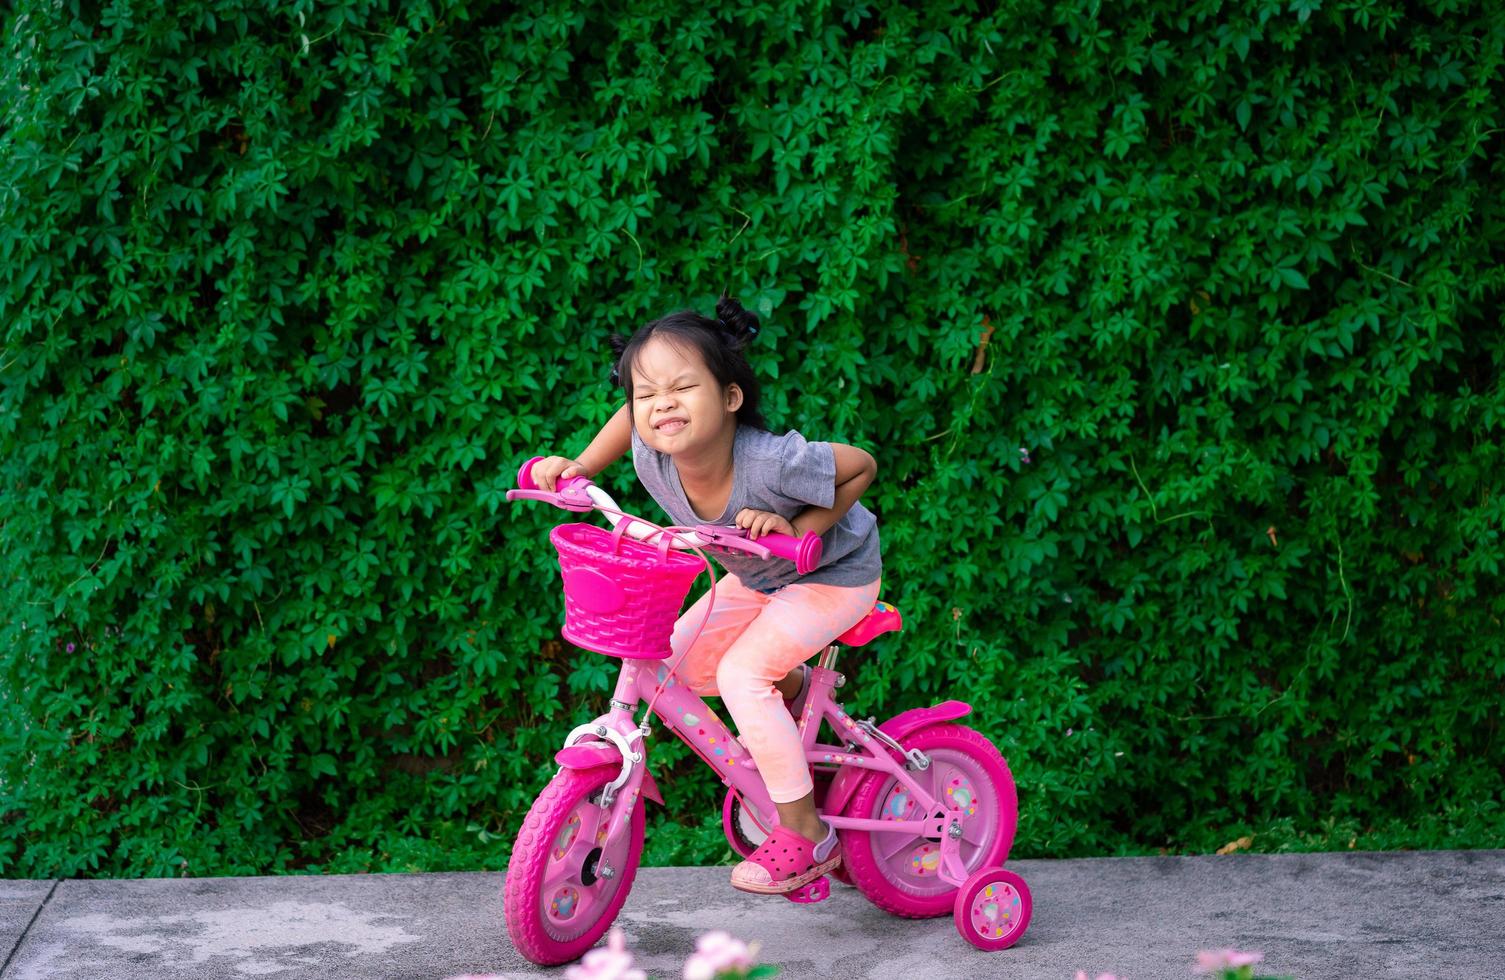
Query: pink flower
point(1218, 960)
point(1082, 975)
point(610, 963)
point(716, 952)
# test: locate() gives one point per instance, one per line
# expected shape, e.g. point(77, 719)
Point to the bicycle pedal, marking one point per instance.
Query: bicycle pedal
point(816, 891)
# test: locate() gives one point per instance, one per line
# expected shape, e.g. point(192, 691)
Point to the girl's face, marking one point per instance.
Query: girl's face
point(677, 404)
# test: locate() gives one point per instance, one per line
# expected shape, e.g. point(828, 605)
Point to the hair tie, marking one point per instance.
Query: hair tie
point(724, 327)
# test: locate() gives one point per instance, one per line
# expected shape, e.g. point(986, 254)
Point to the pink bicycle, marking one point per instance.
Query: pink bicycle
point(926, 808)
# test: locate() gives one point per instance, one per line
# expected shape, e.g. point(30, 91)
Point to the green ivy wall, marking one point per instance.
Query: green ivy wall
point(288, 291)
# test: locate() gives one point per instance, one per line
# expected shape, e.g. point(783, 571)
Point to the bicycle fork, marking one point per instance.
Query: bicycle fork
point(613, 740)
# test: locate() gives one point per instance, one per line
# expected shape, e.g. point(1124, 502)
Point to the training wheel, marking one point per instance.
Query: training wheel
point(992, 909)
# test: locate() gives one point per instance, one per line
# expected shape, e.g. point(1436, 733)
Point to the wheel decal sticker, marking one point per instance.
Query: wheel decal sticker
point(567, 835)
point(564, 903)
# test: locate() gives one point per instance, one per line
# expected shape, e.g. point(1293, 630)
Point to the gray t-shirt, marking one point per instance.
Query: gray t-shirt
point(783, 474)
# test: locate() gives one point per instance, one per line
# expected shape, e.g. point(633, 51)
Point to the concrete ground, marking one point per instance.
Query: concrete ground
point(1359, 915)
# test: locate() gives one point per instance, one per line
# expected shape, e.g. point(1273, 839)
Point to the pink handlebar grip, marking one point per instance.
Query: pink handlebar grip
point(804, 551)
point(525, 475)
point(525, 478)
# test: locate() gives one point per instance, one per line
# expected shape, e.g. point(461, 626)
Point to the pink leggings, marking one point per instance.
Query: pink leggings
point(753, 640)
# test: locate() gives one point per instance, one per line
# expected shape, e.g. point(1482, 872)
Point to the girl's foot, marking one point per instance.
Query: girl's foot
point(787, 861)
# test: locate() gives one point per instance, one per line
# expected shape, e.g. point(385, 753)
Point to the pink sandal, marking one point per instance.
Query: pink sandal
point(786, 862)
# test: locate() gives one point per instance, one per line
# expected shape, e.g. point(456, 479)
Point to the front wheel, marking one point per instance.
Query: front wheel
point(899, 871)
point(566, 881)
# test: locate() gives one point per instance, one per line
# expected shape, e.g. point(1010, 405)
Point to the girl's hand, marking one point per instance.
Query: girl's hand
point(761, 522)
point(550, 470)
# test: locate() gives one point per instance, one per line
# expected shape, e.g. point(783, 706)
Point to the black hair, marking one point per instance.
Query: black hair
point(720, 341)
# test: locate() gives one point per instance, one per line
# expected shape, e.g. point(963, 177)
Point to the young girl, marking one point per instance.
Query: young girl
point(703, 451)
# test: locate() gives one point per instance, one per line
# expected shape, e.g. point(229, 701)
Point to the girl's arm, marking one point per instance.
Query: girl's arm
point(855, 469)
point(614, 439)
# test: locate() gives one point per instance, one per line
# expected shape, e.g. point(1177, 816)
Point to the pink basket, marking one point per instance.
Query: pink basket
point(621, 597)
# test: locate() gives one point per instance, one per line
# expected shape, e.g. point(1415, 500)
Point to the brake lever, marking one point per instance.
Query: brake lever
point(573, 499)
point(731, 539)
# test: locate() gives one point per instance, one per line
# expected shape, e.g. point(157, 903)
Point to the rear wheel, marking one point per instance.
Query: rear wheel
point(566, 881)
point(744, 832)
point(898, 872)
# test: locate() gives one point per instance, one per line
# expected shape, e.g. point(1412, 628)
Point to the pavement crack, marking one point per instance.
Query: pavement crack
point(21, 940)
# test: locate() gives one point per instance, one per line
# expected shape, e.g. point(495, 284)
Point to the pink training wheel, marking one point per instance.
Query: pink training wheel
point(993, 909)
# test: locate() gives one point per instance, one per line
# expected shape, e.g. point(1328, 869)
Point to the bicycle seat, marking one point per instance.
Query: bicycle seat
point(882, 619)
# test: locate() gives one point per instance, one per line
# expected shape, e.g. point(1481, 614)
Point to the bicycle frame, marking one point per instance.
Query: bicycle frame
point(696, 724)
point(991, 907)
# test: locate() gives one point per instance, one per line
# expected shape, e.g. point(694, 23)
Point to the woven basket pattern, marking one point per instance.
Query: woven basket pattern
point(652, 588)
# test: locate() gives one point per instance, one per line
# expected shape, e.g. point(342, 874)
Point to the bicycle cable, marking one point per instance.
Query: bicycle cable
point(705, 617)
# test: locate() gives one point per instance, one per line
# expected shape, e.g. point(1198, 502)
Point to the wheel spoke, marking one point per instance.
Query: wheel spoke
point(557, 875)
point(927, 781)
point(566, 867)
point(890, 846)
point(955, 782)
point(974, 830)
point(945, 772)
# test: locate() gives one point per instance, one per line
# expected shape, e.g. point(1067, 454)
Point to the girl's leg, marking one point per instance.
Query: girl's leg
point(799, 620)
point(736, 606)
point(791, 684)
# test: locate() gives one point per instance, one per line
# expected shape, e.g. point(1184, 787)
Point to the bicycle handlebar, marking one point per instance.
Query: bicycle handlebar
point(580, 495)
